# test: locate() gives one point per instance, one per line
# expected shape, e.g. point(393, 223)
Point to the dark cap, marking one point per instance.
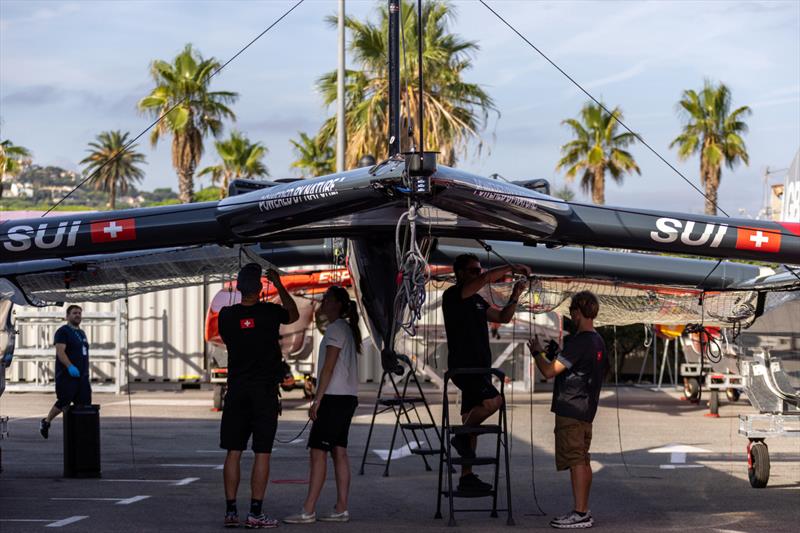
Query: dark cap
point(248, 280)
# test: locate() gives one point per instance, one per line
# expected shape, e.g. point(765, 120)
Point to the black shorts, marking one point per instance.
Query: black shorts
point(474, 390)
point(71, 390)
point(250, 409)
point(332, 425)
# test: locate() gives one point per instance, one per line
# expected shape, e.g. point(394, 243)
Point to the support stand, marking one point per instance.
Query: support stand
point(446, 457)
point(413, 430)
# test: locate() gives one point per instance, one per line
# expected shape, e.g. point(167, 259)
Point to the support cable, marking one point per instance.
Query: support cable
point(172, 108)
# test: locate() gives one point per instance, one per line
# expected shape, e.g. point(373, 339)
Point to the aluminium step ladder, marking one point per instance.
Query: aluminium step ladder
point(408, 420)
point(446, 457)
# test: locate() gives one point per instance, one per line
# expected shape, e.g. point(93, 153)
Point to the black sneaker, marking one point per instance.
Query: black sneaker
point(472, 483)
point(463, 446)
point(44, 428)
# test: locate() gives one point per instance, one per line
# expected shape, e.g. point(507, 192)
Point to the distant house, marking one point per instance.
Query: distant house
point(20, 190)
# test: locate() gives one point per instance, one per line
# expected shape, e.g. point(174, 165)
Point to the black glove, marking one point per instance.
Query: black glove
point(551, 352)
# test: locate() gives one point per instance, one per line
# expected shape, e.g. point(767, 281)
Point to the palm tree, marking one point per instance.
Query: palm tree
point(710, 128)
point(597, 149)
point(455, 111)
point(184, 85)
point(11, 159)
point(565, 193)
point(115, 167)
point(316, 157)
point(240, 159)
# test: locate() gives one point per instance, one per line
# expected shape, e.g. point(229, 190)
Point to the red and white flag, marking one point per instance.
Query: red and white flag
point(247, 323)
point(114, 230)
point(759, 240)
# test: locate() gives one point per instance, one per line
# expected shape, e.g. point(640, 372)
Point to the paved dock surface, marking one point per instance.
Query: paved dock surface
point(175, 482)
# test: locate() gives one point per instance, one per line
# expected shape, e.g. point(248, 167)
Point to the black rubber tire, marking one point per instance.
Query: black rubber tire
point(733, 395)
point(713, 403)
point(759, 471)
point(691, 389)
point(219, 396)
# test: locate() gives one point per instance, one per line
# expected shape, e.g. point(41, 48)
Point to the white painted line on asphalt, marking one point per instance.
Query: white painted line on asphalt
point(677, 455)
point(119, 501)
point(186, 481)
point(397, 453)
point(88, 499)
point(190, 465)
point(164, 403)
point(133, 500)
point(67, 521)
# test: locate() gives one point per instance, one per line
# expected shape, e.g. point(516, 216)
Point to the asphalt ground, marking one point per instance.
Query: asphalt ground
point(175, 483)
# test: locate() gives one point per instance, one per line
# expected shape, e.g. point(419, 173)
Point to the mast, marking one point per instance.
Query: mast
point(394, 77)
point(340, 79)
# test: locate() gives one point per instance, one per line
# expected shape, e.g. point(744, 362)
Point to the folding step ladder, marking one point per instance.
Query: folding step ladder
point(447, 460)
point(407, 417)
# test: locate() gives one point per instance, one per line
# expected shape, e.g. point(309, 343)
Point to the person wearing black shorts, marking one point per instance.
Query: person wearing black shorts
point(250, 331)
point(333, 407)
point(466, 318)
point(72, 368)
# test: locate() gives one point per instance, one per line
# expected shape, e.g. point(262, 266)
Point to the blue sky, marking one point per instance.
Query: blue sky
point(69, 70)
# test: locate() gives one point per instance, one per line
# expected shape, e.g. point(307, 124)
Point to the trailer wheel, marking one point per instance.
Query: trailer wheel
point(219, 397)
point(691, 389)
point(733, 395)
point(758, 465)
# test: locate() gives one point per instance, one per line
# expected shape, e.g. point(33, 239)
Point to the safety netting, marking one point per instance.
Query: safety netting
point(100, 279)
point(622, 303)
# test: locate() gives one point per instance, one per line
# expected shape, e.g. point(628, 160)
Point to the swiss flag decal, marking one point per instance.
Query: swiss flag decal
point(247, 323)
point(114, 230)
point(759, 240)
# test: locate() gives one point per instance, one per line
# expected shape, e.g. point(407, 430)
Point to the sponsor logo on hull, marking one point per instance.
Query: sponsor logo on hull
point(668, 230)
point(21, 238)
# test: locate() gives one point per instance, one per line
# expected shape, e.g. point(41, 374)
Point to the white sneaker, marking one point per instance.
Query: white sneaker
point(301, 518)
point(573, 521)
point(333, 516)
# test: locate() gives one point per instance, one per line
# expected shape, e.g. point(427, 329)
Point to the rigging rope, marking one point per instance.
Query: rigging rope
point(413, 273)
point(531, 376)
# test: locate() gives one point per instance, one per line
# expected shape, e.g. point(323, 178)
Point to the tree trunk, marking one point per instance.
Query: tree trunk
point(186, 184)
point(712, 185)
point(599, 186)
point(113, 195)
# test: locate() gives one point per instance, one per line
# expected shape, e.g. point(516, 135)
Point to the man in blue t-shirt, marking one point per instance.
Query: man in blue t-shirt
point(578, 371)
point(72, 368)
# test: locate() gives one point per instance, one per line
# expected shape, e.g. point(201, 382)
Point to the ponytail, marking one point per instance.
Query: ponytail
point(352, 319)
point(349, 312)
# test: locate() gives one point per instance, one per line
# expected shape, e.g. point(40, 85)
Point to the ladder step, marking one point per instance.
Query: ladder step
point(473, 461)
point(398, 401)
point(425, 451)
point(415, 425)
point(469, 494)
point(475, 430)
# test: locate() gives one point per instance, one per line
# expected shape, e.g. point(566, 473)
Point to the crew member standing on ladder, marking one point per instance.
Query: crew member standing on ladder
point(250, 331)
point(72, 368)
point(466, 318)
point(579, 371)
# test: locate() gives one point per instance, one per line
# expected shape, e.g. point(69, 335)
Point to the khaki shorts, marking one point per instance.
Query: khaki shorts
point(573, 438)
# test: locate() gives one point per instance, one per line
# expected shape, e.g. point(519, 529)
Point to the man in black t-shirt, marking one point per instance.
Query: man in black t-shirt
point(466, 318)
point(250, 331)
point(578, 372)
point(72, 368)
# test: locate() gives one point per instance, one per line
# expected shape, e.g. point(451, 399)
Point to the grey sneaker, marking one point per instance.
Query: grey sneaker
point(301, 518)
point(573, 521)
point(333, 516)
